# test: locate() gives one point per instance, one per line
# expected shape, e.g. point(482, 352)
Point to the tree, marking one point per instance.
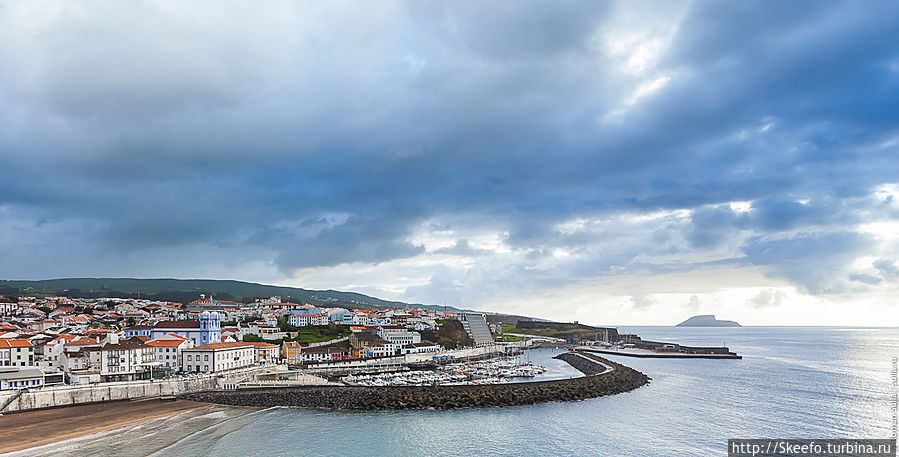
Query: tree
point(252, 339)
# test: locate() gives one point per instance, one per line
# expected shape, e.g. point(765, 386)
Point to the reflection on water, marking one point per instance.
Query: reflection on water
point(792, 382)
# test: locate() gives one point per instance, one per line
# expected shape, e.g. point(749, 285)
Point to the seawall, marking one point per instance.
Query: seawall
point(67, 395)
point(620, 379)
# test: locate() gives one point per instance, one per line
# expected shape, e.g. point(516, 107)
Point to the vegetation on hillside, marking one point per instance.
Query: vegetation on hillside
point(186, 290)
point(451, 335)
point(580, 334)
point(306, 335)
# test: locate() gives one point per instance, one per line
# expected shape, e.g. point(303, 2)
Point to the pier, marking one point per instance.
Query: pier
point(654, 354)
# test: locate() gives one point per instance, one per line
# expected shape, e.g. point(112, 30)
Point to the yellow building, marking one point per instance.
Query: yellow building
point(290, 352)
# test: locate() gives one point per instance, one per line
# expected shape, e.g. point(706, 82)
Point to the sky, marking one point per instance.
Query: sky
point(614, 163)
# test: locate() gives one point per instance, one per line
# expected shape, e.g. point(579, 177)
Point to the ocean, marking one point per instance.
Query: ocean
point(791, 383)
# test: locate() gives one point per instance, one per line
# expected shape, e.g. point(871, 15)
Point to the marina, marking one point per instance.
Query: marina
point(491, 371)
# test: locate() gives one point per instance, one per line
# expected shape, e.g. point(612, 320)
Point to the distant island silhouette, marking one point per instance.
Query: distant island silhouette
point(707, 320)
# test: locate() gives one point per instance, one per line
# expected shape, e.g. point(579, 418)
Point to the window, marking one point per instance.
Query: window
point(206, 357)
point(188, 357)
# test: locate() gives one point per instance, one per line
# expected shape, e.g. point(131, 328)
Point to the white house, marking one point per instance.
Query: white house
point(17, 353)
point(123, 361)
point(168, 350)
point(214, 357)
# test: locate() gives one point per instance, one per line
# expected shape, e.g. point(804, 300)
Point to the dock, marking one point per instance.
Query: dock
point(648, 353)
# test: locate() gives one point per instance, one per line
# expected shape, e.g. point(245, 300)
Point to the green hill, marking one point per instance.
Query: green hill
point(189, 289)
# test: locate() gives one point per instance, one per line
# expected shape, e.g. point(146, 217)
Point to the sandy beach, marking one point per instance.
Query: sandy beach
point(28, 429)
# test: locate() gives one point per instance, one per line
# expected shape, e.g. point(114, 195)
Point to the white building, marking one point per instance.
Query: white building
point(168, 350)
point(17, 353)
point(214, 357)
point(8, 307)
point(123, 361)
point(421, 347)
point(13, 378)
point(52, 350)
point(302, 320)
point(398, 335)
point(265, 353)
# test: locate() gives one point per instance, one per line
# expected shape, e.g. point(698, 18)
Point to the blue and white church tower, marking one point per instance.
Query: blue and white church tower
point(210, 328)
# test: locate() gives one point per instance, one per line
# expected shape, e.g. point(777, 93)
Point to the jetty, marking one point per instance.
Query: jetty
point(658, 354)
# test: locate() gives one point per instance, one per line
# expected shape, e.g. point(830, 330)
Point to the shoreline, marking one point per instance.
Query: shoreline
point(21, 431)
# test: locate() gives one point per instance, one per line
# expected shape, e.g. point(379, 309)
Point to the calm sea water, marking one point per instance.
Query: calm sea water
point(791, 383)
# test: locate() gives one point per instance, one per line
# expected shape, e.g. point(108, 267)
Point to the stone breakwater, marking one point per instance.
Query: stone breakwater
point(621, 379)
point(585, 366)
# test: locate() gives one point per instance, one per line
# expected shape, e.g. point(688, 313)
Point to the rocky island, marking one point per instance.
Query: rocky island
point(707, 320)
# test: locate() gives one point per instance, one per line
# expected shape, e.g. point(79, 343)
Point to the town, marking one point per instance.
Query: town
point(56, 340)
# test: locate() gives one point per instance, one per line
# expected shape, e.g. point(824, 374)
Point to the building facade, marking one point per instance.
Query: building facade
point(168, 351)
point(215, 357)
point(290, 352)
point(16, 353)
point(205, 330)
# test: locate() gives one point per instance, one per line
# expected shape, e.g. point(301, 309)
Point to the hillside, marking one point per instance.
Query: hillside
point(183, 289)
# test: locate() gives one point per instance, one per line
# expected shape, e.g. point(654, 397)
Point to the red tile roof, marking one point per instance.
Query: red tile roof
point(260, 344)
point(165, 343)
point(15, 343)
point(83, 342)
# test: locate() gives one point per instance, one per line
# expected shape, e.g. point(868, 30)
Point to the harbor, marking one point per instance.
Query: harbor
point(491, 371)
point(599, 377)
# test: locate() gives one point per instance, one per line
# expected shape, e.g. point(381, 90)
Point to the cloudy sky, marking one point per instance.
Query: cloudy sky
point(612, 163)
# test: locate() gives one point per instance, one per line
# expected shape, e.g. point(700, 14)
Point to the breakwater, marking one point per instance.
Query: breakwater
point(620, 379)
point(590, 367)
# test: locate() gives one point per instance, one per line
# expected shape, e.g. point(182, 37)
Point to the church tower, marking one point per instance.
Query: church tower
point(210, 328)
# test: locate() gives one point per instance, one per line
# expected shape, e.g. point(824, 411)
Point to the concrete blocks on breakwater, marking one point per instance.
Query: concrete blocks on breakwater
point(620, 379)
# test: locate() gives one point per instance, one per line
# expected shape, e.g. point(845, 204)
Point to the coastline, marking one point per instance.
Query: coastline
point(29, 429)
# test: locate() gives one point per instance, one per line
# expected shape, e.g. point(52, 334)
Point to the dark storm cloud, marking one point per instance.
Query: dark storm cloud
point(328, 135)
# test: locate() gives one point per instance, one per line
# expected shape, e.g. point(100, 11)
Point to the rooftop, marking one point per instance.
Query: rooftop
point(213, 346)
